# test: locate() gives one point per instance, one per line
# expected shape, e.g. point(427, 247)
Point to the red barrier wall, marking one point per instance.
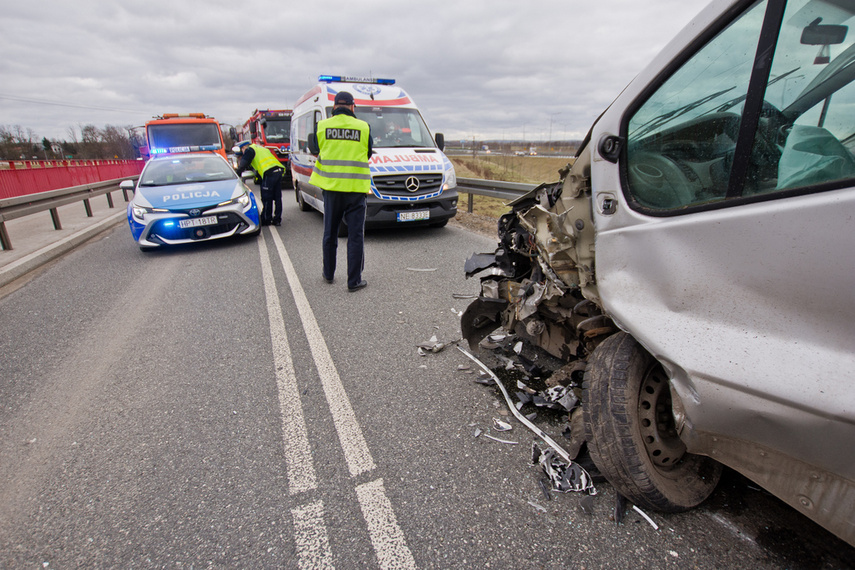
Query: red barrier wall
point(19, 178)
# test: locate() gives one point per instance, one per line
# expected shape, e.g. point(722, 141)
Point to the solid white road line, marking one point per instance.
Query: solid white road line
point(310, 536)
point(353, 443)
point(312, 543)
point(298, 455)
point(386, 536)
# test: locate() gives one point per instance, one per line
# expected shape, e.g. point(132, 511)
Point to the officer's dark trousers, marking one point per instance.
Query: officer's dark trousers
point(271, 196)
point(349, 207)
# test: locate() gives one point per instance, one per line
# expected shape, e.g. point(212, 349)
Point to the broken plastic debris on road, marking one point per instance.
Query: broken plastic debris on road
point(581, 480)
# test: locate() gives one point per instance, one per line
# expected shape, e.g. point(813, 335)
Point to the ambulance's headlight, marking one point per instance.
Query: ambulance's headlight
point(450, 180)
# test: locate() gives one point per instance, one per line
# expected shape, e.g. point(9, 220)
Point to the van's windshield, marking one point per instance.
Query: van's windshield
point(396, 127)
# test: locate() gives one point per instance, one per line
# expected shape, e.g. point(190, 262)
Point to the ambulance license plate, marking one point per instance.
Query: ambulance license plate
point(196, 222)
point(413, 216)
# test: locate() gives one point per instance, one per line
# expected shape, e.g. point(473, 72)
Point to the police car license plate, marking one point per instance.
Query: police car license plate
point(413, 216)
point(196, 222)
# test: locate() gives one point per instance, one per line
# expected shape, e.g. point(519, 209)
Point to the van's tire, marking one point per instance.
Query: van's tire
point(304, 207)
point(645, 461)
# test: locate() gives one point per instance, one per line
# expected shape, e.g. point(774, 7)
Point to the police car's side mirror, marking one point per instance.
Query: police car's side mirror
point(440, 141)
point(247, 174)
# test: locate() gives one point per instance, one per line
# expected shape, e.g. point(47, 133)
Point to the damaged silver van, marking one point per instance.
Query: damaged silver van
point(698, 261)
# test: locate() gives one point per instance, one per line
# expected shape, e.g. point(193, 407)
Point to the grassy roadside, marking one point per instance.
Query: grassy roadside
point(527, 169)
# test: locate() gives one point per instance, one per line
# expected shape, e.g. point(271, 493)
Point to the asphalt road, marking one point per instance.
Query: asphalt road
point(220, 405)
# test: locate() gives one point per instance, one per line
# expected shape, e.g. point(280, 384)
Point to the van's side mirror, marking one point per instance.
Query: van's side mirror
point(127, 185)
point(233, 133)
point(440, 141)
point(312, 141)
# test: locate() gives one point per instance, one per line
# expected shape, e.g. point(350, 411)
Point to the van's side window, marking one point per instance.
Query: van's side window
point(681, 142)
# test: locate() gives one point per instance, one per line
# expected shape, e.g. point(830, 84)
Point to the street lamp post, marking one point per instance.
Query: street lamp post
point(551, 118)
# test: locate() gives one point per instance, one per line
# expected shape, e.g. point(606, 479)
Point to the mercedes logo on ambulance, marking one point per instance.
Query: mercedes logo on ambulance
point(412, 184)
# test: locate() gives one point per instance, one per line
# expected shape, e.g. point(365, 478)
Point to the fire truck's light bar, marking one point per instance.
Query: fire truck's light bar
point(348, 79)
point(182, 115)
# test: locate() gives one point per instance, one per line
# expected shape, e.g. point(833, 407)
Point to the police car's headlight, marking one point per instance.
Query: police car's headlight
point(140, 211)
point(242, 201)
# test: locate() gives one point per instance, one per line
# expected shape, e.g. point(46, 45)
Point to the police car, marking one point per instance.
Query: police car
point(188, 198)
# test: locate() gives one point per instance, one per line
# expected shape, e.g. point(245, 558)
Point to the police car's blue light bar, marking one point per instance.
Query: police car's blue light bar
point(348, 79)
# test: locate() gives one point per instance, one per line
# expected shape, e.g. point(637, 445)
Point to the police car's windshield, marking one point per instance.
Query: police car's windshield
point(396, 127)
point(186, 170)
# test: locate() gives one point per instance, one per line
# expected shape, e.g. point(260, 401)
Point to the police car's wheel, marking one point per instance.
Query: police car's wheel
point(630, 430)
point(300, 202)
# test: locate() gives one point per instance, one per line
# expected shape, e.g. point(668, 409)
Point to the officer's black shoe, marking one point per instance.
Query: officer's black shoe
point(327, 279)
point(361, 285)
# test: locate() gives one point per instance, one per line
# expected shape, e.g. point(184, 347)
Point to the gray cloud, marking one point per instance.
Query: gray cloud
point(478, 69)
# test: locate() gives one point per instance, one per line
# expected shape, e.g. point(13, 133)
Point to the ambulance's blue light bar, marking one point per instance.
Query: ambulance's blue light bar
point(348, 79)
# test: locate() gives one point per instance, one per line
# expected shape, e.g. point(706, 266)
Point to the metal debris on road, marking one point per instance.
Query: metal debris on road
point(525, 421)
point(648, 519)
point(426, 269)
point(586, 503)
point(536, 506)
point(499, 425)
point(433, 345)
point(501, 440)
point(565, 476)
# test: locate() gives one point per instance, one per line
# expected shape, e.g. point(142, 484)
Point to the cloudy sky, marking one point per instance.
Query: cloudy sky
point(483, 69)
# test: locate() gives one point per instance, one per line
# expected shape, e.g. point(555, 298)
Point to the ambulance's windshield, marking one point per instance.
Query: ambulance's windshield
point(392, 128)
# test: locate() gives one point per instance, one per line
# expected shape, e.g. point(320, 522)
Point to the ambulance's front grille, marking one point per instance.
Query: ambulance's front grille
point(408, 184)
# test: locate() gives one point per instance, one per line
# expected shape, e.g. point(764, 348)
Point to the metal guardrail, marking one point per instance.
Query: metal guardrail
point(20, 206)
point(492, 188)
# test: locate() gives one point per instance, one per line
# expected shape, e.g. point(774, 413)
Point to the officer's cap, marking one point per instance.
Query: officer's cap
point(343, 98)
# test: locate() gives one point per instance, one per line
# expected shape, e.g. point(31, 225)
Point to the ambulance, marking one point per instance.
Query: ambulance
point(412, 181)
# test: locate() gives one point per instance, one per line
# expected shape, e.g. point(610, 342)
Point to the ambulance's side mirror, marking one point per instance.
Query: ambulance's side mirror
point(440, 141)
point(312, 141)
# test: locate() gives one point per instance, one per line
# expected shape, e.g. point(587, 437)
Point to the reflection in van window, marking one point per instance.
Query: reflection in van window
point(681, 141)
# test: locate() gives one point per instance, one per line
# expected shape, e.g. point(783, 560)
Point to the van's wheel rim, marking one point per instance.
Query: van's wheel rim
point(656, 421)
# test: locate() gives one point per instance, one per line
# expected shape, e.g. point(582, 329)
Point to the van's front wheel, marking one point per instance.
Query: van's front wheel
point(631, 434)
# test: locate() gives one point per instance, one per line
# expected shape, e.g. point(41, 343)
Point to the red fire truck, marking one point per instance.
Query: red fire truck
point(173, 133)
point(271, 129)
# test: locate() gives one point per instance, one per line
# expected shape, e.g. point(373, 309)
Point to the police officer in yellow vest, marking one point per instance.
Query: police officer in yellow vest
point(343, 147)
point(268, 168)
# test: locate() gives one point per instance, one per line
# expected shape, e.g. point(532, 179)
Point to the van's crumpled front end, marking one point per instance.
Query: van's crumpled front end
point(540, 284)
point(540, 280)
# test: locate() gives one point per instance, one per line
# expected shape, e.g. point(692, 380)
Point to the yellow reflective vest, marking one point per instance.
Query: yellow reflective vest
point(342, 164)
point(264, 160)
